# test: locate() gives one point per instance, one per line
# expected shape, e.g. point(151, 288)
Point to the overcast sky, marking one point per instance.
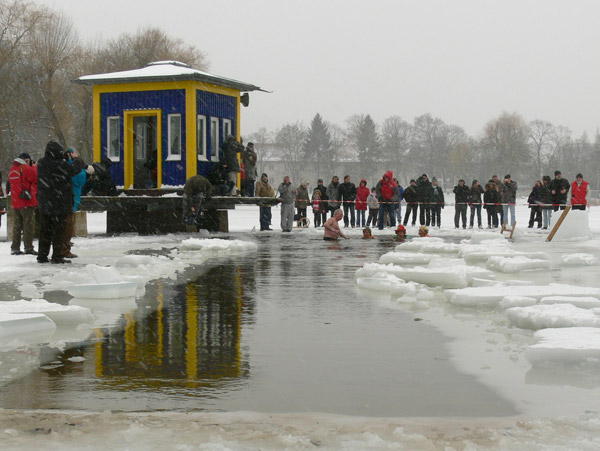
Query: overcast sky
point(463, 61)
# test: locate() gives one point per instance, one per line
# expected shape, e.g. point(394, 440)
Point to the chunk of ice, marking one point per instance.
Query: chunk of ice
point(578, 260)
point(104, 290)
point(516, 301)
point(575, 226)
point(61, 315)
point(516, 264)
point(571, 344)
point(17, 329)
point(483, 296)
point(405, 258)
point(588, 302)
point(550, 316)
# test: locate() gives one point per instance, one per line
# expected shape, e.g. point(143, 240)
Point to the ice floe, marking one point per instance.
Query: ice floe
point(552, 316)
point(483, 296)
point(571, 344)
point(61, 315)
point(516, 264)
point(17, 329)
point(579, 259)
point(581, 302)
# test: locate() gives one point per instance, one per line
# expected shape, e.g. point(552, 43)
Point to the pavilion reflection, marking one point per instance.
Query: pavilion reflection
point(186, 335)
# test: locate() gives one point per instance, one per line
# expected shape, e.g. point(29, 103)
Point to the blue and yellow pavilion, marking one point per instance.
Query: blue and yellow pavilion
point(163, 123)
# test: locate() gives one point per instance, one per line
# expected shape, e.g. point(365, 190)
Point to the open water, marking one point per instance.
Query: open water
point(282, 330)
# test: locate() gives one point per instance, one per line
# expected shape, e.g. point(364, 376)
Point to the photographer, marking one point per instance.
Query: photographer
point(196, 190)
point(23, 181)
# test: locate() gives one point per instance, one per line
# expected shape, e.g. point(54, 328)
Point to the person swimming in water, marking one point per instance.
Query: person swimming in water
point(367, 235)
point(400, 233)
point(423, 231)
point(332, 228)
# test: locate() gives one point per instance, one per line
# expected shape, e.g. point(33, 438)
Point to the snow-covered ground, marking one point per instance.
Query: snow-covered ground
point(522, 316)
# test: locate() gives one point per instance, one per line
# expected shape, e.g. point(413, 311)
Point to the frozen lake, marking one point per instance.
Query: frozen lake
point(265, 340)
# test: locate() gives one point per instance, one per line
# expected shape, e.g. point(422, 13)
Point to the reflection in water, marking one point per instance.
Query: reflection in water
point(193, 338)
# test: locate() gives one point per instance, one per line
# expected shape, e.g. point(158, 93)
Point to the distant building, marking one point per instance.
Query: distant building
point(163, 123)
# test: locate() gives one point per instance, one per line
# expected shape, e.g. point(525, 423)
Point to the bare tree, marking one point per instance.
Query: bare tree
point(540, 137)
point(54, 48)
point(290, 139)
point(396, 137)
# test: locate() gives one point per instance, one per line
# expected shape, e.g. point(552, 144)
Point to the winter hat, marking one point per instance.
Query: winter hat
point(304, 182)
point(400, 228)
point(546, 178)
point(507, 176)
point(557, 173)
point(264, 174)
point(24, 156)
point(474, 181)
point(412, 181)
point(434, 179)
point(424, 175)
point(320, 181)
point(579, 176)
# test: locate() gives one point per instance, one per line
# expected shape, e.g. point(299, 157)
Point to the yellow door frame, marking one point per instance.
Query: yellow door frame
point(128, 149)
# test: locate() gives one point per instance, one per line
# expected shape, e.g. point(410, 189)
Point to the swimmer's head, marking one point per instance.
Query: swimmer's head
point(367, 232)
point(423, 230)
point(400, 230)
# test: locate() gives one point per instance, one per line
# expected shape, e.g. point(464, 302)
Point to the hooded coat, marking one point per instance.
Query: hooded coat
point(55, 187)
point(387, 190)
point(22, 176)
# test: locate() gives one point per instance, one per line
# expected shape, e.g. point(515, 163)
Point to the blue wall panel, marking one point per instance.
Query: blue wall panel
point(170, 101)
point(216, 105)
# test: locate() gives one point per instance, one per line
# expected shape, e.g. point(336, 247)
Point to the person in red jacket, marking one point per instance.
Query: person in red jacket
point(579, 193)
point(22, 177)
point(362, 192)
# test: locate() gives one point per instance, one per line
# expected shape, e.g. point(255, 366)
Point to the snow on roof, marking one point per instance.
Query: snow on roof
point(164, 71)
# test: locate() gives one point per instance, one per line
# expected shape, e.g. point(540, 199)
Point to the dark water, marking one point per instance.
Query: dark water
point(282, 330)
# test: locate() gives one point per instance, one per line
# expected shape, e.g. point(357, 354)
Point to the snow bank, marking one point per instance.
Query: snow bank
point(578, 260)
point(571, 344)
point(483, 296)
point(516, 264)
point(548, 316)
point(61, 315)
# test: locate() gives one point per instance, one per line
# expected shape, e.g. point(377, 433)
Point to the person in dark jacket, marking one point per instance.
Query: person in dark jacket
point(196, 190)
point(23, 180)
point(560, 190)
point(231, 149)
point(100, 182)
point(322, 202)
point(424, 196)
point(546, 195)
point(347, 192)
point(437, 203)
point(461, 198)
point(475, 193)
point(411, 196)
point(218, 179)
point(534, 201)
point(508, 197)
point(400, 197)
point(55, 200)
point(333, 194)
point(387, 195)
point(491, 197)
point(249, 158)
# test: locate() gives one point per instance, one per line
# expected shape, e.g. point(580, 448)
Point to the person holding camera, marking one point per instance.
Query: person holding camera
point(23, 181)
point(55, 200)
